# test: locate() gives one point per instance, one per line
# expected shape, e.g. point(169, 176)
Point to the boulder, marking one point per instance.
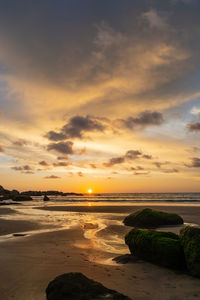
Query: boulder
point(76, 286)
point(46, 198)
point(190, 240)
point(149, 218)
point(159, 247)
point(21, 198)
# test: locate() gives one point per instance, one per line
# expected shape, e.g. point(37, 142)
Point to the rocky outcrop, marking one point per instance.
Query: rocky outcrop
point(149, 218)
point(190, 241)
point(159, 247)
point(21, 197)
point(76, 286)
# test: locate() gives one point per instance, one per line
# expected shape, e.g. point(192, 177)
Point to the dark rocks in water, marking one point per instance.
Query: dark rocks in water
point(21, 197)
point(149, 218)
point(190, 240)
point(76, 286)
point(46, 198)
point(125, 259)
point(6, 194)
point(49, 193)
point(159, 247)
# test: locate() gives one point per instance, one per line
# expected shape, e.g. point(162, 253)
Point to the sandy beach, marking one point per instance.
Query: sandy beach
point(29, 262)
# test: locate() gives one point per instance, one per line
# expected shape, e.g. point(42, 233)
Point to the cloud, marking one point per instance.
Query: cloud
point(195, 162)
point(114, 161)
point(62, 157)
point(160, 164)
point(55, 136)
point(171, 171)
point(79, 124)
point(22, 168)
point(62, 147)
point(194, 126)
point(26, 169)
point(93, 166)
point(129, 155)
point(52, 177)
point(76, 127)
point(1, 149)
point(20, 143)
point(133, 154)
point(155, 19)
point(147, 156)
point(43, 163)
point(61, 164)
point(141, 173)
point(146, 118)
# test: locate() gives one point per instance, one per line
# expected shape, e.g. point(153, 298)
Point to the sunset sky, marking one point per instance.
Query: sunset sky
point(100, 94)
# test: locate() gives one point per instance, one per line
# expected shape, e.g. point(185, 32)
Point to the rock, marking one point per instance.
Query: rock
point(21, 198)
point(46, 198)
point(159, 247)
point(19, 234)
point(190, 240)
point(76, 286)
point(149, 218)
point(125, 259)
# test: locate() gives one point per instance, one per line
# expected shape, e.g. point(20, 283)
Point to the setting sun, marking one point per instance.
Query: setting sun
point(90, 191)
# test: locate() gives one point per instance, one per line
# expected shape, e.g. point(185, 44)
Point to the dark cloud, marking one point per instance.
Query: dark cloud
point(76, 127)
point(43, 163)
point(26, 169)
point(22, 168)
point(55, 136)
point(141, 173)
point(62, 147)
point(171, 171)
point(20, 143)
point(52, 177)
point(1, 149)
point(79, 124)
point(114, 161)
point(194, 126)
point(195, 162)
point(147, 156)
point(144, 119)
point(129, 155)
point(133, 154)
point(62, 157)
point(61, 164)
point(139, 168)
point(160, 164)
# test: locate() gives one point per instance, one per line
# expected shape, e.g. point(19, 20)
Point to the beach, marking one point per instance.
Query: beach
point(88, 245)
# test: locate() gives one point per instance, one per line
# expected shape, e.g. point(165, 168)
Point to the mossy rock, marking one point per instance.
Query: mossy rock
point(21, 198)
point(190, 240)
point(149, 218)
point(159, 247)
point(76, 286)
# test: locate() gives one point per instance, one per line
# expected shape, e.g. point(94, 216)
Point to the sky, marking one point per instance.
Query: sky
point(100, 94)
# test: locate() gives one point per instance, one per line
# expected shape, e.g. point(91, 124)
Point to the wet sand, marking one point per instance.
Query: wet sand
point(29, 263)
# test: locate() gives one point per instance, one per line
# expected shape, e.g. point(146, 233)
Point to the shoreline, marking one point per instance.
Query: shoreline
point(29, 263)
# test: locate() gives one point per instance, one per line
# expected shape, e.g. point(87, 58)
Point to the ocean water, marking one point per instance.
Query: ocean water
point(124, 198)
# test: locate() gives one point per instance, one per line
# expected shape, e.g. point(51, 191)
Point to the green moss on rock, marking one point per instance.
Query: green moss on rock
point(76, 286)
point(149, 218)
point(160, 247)
point(190, 240)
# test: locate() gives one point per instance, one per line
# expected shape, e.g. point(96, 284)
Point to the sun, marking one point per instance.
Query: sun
point(90, 191)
